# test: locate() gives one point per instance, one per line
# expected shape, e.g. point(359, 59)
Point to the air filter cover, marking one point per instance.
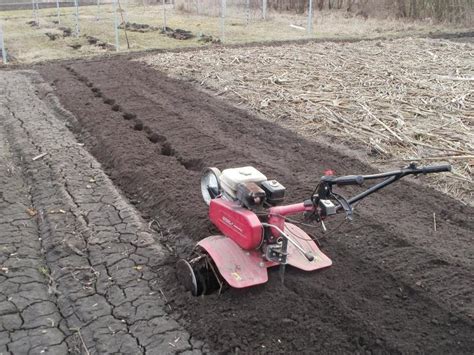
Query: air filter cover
point(230, 178)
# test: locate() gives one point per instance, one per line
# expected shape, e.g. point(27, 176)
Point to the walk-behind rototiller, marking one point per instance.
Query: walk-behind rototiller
point(256, 230)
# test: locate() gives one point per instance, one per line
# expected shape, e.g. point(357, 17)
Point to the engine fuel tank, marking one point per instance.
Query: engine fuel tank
point(236, 222)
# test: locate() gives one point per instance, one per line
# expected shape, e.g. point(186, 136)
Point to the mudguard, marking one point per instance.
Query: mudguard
point(239, 267)
point(243, 268)
point(298, 260)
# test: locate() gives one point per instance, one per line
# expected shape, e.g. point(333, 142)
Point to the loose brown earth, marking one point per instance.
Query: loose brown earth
point(396, 284)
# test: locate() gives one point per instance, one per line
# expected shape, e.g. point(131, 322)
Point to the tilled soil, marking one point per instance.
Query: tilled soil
point(396, 284)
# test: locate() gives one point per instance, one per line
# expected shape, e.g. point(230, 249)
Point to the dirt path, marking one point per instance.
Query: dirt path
point(78, 265)
point(396, 285)
point(29, 316)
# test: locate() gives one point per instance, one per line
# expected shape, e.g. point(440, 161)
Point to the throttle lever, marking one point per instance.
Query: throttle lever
point(345, 205)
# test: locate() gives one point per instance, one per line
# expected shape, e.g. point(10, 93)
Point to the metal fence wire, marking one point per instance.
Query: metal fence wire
point(36, 30)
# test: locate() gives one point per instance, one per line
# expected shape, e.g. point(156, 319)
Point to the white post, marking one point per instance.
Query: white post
point(117, 44)
point(247, 12)
point(97, 17)
point(223, 11)
point(264, 9)
point(310, 17)
point(125, 13)
point(2, 45)
point(164, 15)
point(58, 12)
point(35, 11)
point(76, 15)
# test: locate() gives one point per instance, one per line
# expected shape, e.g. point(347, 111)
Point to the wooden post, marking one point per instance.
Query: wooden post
point(264, 9)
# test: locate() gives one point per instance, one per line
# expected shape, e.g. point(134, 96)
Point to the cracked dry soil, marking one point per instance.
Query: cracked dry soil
point(396, 285)
point(78, 264)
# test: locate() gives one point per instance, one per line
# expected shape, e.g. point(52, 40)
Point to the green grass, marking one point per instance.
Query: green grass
point(30, 44)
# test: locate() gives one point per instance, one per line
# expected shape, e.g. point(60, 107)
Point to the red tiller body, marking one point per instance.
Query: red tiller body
point(237, 254)
point(237, 223)
point(255, 238)
point(243, 226)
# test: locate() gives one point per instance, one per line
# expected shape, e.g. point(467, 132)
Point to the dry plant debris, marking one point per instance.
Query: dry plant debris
point(404, 100)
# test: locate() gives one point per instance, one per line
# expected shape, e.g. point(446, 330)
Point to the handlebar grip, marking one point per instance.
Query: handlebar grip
point(436, 169)
point(309, 256)
point(348, 180)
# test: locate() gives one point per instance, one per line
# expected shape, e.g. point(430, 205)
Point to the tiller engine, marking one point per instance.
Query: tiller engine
point(257, 234)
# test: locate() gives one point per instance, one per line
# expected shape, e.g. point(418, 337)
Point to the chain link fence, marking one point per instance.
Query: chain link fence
point(46, 30)
point(32, 31)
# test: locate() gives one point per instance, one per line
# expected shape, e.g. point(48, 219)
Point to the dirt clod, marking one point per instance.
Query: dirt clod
point(177, 33)
point(138, 125)
point(138, 27)
point(52, 36)
point(166, 149)
point(155, 138)
point(129, 116)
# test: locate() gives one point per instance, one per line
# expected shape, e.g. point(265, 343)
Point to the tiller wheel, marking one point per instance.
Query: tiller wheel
point(199, 275)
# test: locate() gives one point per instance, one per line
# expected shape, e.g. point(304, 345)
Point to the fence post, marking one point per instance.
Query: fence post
point(264, 9)
point(2, 45)
point(76, 15)
point(125, 12)
point(310, 18)
point(58, 12)
point(117, 44)
point(35, 11)
point(247, 12)
point(223, 11)
point(164, 15)
point(97, 17)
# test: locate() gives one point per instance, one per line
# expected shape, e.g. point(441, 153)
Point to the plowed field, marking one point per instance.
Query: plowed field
point(397, 285)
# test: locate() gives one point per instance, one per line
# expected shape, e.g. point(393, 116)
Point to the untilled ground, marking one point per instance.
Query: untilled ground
point(397, 101)
point(78, 266)
point(396, 285)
